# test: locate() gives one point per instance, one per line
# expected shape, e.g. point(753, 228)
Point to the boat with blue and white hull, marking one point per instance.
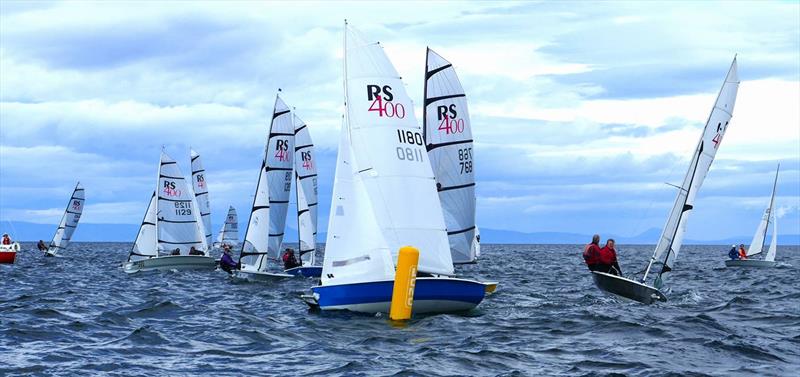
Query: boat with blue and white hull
point(384, 198)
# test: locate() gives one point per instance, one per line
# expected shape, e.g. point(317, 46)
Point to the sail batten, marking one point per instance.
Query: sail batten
point(179, 224)
point(448, 139)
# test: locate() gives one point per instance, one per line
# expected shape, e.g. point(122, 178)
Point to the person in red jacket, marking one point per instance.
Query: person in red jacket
point(6, 239)
point(608, 259)
point(742, 253)
point(591, 253)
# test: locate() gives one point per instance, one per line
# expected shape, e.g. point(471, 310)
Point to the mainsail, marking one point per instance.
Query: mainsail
point(229, 234)
point(69, 221)
point(384, 192)
point(253, 256)
point(279, 158)
point(145, 246)
point(773, 245)
point(178, 220)
point(306, 190)
point(669, 244)
point(448, 139)
point(757, 245)
point(201, 194)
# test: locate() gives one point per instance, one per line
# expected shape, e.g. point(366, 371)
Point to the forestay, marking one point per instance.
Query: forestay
point(669, 244)
point(448, 139)
point(201, 194)
point(253, 256)
point(69, 221)
point(757, 245)
point(179, 223)
point(146, 240)
point(229, 234)
point(384, 192)
point(279, 168)
point(306, 190)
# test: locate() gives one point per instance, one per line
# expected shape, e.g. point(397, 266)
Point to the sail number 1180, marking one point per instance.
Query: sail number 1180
point(413, 153)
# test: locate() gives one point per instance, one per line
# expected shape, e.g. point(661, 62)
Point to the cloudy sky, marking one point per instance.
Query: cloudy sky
point(581, 111)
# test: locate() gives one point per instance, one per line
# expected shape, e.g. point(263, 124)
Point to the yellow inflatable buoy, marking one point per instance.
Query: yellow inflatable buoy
point(404, 282)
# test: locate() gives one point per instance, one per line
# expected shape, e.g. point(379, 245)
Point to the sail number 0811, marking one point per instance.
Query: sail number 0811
point(409, 153)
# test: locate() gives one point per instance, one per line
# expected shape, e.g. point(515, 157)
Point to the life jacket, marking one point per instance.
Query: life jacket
point(742, 253)
point(607, 255)
point(591, 254)
point(285, 257)
point(6, 241)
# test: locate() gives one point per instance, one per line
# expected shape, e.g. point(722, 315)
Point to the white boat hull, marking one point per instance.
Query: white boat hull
point(749, 263)
point(165, 263)
point(263, 277)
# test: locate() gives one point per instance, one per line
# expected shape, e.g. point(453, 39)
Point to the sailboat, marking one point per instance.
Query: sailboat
point(757, 245)
point(384, 197)
point(305, 184)
point(171, 227)
point(448, 140)
point(264, 233)
point(201, 194)
point(669, 244)
point(229, 234)
point(68, 224)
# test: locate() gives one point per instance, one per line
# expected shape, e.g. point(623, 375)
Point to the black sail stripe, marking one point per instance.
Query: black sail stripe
point(174, 200)
point(170, 177)
point(269, 169)
point(431, 147)
point(198, 171)
point(148, 223)
point(176, 221)
point(460, 231)
point(312, 204)
point(456, 187)
point(256, 208)
point(276, 235)
point(168, 163)
point(296, 130)
point(430, 73)
point(278, 201)
point(271, 134)
point(180, 243)
point(302, 211)
point(303, 147)
point(279, 113)
point(431, 100)
point(306, 176)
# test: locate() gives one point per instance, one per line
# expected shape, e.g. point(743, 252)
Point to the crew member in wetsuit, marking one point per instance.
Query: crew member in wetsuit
point(226, 263)
point(733, 254)
point(608, 259)
point(289, 260)
point(591, 253)
point(194, 251)
point(177, 251)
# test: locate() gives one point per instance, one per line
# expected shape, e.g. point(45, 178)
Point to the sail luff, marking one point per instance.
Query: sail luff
point(201, 194)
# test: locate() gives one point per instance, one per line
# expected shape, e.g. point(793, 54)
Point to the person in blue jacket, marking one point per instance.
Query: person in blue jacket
point(733, 254)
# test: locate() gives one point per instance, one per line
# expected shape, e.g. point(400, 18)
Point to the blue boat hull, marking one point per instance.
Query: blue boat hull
point(305, 271)
point(431, 295)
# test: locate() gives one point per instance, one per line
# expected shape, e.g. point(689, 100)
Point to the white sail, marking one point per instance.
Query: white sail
point(201, 193)
point(253, 256)
point(757, 245)
point(229, 233)
point(145, 246)
point(448, 139)
point(279, 157)
point(384, 192)
point(69, 221)
point(669, 244)
point(179, 223)
point(306, 188)
point(773, 246)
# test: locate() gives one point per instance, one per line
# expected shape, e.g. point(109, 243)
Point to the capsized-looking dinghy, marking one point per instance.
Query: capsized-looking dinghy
point(669, 244)
point(69, 222)
point(757, 245)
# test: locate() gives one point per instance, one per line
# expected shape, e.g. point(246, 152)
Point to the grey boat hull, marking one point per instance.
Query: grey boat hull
point(627, 288)
point(749, 263)
point(166, 263)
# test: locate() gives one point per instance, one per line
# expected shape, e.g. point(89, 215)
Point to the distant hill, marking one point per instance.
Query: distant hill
point(24, 231)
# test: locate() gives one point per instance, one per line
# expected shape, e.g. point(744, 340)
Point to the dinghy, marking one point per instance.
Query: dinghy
point(68, 224)
point(229, 234)
point(384, 197)
point(201, 193)
point(305, 185)
point(757, 245)
point(669, 244)
point(448, 140)
point(264, 233)
point(8, 253)
point(171, 227)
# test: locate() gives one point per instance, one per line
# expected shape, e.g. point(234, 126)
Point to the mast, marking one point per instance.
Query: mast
point(771, 203)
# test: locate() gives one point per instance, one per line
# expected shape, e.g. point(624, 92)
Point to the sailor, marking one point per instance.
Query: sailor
point(591, 253)
point(733, 254)
point(742, 253)
point(41, 246)
point(608, 259)
point(6, 239)
point(177, 251)
point(194, 251)
point(289, 260)
point(226, 263)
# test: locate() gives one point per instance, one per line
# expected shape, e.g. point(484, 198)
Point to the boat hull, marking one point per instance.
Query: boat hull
point(305, 271)
point(749, 263)
point(264, 277)
point(431, 295)
point(8, 253)
point(627, 288)
point(165, 263)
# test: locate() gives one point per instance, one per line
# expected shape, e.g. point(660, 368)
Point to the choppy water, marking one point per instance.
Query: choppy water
point(84, 316)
